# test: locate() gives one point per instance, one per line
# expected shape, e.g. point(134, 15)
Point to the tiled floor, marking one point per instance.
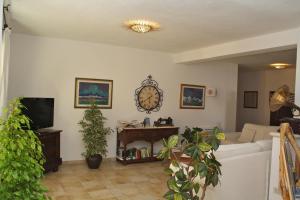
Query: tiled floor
point(113, 181)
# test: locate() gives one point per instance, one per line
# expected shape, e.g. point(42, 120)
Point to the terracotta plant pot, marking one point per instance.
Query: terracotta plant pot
point(94, 161)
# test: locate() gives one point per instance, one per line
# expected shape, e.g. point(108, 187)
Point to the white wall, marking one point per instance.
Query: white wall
point(282, 40)
point(45, 67)
point(297, 84)
point(263, 82)
point(1, 21)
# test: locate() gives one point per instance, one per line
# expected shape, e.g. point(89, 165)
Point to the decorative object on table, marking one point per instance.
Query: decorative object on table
point(126, 124)
point(21, 157)
point(288, 166)
point(146, 122)
point(164, 122)
point(93, 90)
point(250, 99)
point(94, 136)
point(192, 96)
point(211, 92)
point(149, 96)
point(280, 98)
point(199, 162)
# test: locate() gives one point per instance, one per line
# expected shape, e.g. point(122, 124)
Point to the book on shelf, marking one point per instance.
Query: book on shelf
point(145, 152)
point(133, 153)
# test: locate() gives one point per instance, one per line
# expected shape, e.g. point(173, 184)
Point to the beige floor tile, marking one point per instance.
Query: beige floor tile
point(113, 181)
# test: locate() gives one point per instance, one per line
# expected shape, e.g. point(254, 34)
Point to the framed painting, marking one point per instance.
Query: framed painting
point(250, 99)
point(192, 96)
point(93, 90)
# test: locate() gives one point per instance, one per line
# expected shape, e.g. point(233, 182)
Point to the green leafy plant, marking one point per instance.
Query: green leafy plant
point(199, 146)
point(93, 131)
point(21, 157)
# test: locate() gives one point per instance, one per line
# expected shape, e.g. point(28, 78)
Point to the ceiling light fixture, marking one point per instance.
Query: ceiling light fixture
point(279, 65)
point(142, 26)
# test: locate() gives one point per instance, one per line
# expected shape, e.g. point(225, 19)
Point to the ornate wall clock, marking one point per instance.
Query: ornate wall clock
point(149, 96)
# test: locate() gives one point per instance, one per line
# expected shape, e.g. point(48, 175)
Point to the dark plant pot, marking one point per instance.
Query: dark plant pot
point(94, 161)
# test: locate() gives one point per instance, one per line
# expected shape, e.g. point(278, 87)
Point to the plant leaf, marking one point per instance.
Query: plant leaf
point(220, 136)
point(173, 185)
point(177, 196)
point(196, 187)
point(172, 141)
point(204, 147)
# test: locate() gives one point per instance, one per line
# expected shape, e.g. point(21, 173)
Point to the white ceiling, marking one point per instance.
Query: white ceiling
point(186, 24)
point(262, 61)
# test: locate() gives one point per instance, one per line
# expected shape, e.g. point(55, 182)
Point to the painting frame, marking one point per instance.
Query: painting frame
point(85, 81)
point(250, 99)
point(190, 88)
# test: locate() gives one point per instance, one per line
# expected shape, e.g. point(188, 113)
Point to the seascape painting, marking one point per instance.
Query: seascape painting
point(192, 96)
point(93, 90)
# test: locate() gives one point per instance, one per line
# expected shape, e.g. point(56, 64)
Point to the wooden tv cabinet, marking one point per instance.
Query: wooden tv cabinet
point(50, 140)
point(151, 135)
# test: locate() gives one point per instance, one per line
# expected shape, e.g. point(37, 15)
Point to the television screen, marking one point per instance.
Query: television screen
point(40, 111)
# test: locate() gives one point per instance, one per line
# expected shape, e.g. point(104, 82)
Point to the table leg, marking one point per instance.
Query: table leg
point(124, 154)
point(151, 149)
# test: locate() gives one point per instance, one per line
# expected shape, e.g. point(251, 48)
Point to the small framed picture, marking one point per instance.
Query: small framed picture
point(192, 96)
point(211, 92)
point(93, 90)
point(250, 99)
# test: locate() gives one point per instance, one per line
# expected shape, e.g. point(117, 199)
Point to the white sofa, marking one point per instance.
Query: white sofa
point(250, 133)
point(245, 172)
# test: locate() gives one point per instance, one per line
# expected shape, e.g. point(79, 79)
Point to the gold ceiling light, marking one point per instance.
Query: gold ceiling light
point(142, 26)
point(279, 65)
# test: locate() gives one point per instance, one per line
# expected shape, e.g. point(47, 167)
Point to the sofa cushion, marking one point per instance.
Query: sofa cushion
point(231, 138)
point(260, 134)
point(268, 130)
point(263, 132)
point(232, 150)
point(247, 135)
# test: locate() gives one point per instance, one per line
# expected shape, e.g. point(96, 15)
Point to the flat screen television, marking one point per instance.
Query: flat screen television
point(40, 111)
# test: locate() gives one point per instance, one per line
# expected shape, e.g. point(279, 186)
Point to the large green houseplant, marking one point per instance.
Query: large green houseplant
point(94, 136)
point(200, 146)
point(21, 157)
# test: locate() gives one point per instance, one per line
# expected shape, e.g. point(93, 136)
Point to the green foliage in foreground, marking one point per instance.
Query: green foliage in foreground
point(21, 158)
point(200, 147)
point(93, 131)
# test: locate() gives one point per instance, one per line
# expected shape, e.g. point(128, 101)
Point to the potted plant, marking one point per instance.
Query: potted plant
point(199, 146)
point(94, 136)
point(21, 157)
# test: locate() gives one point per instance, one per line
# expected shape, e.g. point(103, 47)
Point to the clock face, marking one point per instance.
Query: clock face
point(149, 97)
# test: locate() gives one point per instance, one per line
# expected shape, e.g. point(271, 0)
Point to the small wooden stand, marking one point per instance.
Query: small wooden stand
point(151, 135)
point(50, 140)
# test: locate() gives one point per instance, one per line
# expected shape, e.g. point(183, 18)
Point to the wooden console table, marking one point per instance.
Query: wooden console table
point(151, 135)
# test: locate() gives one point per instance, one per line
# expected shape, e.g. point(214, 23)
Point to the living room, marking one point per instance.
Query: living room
point(54, 42)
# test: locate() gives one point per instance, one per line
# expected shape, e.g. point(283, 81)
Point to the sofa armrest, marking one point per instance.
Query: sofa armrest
point(232, 136)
